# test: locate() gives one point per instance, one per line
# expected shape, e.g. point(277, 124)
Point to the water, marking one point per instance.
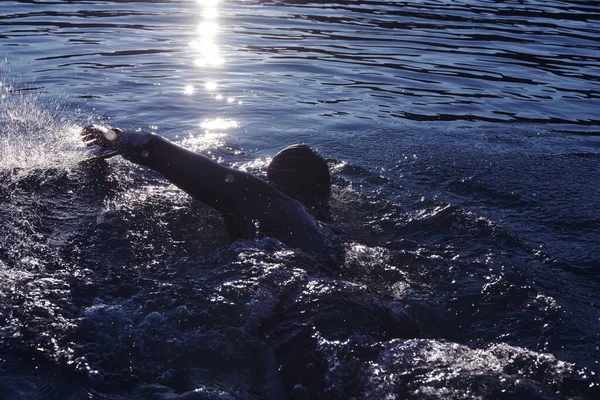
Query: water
point(463, 141)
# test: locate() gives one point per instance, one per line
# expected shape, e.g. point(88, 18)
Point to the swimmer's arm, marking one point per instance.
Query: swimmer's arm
point(227, 190)
point(223, 188)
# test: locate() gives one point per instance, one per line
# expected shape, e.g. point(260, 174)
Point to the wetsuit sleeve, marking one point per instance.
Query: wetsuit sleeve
point(228, 190)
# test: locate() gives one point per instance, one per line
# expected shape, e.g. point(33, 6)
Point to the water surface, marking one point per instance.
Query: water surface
point(463, 142)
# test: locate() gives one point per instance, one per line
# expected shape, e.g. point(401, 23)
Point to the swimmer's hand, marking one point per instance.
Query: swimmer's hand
point(101, 141)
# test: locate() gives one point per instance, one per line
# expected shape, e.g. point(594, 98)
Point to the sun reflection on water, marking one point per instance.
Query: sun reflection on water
point(218, 124)
point(214, 133)
point(211, 86)
point(204, 143)
point(205, 44)
point(207, 57)
point(188, 89)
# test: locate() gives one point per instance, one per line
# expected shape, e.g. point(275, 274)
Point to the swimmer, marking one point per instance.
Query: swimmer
point(289, 206)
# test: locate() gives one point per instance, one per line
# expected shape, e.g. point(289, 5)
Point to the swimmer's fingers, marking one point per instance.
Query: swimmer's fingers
point(89, 141)
point(100, 141)
point(95, 135)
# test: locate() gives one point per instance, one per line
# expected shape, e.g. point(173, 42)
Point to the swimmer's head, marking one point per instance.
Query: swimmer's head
point(301, 173)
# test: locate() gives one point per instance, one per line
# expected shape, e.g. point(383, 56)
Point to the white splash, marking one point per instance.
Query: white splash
point(34, 139)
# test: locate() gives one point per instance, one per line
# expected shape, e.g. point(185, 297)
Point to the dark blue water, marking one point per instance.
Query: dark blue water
point(463, 138)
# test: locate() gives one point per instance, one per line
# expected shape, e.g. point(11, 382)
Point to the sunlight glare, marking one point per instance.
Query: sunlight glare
point(200, 62)
point(208, 29)
point(188, 89)
point(219, 124)
point(210, 13)
point(211, 86)
point(204, 142)
point(207, 32)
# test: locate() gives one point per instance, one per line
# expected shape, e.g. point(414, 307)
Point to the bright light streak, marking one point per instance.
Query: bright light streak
point(219, 124)
point(208, 29)
point(210, 13)
point(188, 89)
point(211, 86)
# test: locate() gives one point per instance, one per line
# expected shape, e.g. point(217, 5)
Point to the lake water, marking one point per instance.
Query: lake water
point(464, 142)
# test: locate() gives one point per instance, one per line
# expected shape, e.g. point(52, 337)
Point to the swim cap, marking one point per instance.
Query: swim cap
point(301, 173)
